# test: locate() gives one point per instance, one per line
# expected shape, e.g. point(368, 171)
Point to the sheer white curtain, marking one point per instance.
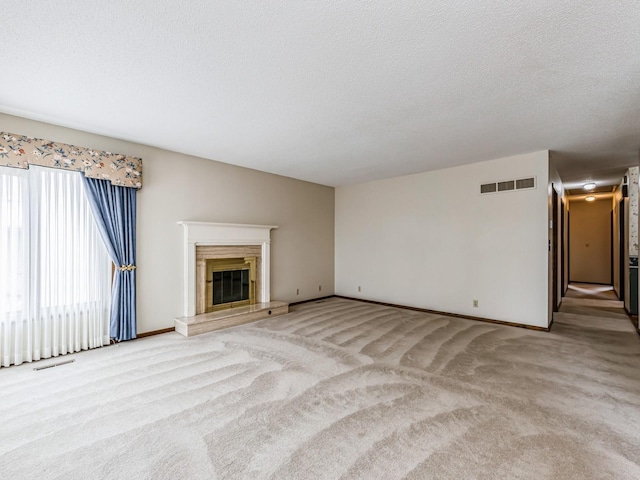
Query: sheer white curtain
point(54, 269)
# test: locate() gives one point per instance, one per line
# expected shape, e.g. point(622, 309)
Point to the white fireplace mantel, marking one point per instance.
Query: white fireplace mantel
point(206, 233)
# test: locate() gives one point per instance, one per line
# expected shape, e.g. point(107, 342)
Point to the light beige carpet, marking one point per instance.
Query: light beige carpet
point(591, 291)
point(335, 389)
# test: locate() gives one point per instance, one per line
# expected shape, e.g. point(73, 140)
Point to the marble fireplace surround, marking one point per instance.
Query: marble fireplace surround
point(233, 240)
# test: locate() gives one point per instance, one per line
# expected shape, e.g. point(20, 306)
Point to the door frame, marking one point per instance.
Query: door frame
point(623, 248)
point(554, 230)
point(563, 249)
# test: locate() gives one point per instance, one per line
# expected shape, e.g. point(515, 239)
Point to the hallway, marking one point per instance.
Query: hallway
point(591, 305)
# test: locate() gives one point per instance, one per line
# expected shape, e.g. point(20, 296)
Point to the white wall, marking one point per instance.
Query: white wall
point(431, 240)
point(181, 187)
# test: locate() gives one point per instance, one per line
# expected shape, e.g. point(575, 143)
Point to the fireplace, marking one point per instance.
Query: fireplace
point(226, 277)
point(230, 282)
point(231, 246)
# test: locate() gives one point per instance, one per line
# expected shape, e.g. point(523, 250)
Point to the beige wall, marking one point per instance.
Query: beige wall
point(181, 187)
point(590, 242)
point(615, 205)
point(430, 240)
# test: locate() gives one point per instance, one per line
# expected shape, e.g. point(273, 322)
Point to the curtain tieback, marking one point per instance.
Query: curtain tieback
point(126, 268)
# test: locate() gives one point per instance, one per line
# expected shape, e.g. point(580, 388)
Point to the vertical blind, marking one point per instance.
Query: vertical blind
point(54, 269)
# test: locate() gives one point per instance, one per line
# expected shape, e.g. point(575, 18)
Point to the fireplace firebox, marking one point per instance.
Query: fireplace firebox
point(230, 282)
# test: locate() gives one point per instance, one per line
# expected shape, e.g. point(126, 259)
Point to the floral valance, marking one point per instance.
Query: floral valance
point(20, 151)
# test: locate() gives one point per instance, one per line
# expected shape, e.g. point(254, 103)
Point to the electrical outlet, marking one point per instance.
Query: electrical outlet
point(359, 289)
point(297, 291)
point(475, 304)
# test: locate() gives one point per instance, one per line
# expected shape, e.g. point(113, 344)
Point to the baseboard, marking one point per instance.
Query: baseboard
point(448, 314)
point(310, 300)
point(155, 332)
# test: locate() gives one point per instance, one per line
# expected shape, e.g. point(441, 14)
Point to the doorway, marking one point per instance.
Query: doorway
point(590, 241)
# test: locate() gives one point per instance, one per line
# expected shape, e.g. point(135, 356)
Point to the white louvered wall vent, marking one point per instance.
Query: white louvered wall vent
point(508, 185)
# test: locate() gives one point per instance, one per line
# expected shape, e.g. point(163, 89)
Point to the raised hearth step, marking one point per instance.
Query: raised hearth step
point(208, 322)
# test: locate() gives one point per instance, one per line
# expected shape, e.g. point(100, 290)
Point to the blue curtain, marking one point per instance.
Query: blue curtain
point(114, 208)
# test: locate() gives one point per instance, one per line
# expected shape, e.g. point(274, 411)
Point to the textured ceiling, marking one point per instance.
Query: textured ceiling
point(336, 92)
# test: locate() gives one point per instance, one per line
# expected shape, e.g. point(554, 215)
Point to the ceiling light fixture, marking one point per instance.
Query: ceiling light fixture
point(590, 198)
point(589, 186)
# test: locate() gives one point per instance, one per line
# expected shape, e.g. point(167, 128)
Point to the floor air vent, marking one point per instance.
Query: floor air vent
point(508, 185)
point(54, 365)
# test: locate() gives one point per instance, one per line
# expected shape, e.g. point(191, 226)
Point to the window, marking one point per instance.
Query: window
point(54, 268)
point(12, 232)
